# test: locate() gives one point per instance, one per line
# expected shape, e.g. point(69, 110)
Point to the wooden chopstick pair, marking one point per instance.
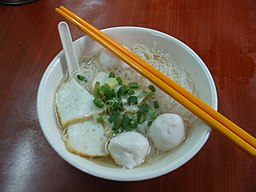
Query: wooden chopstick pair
point(214, 119)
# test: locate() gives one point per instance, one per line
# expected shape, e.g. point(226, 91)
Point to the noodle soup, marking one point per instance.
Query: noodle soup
point(101, 63)
point(196, 134)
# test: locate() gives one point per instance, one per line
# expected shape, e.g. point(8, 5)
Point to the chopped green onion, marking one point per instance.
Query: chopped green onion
point(125, 121)
point(133, 85)
point(131, 92)
point(114, 116)
point(112, 82)
point(141, 117)
point(111, 94)
point(119, 80)
point(109, 106)
point(118, 105)
point(104, 89)
point(106, 93)
point(143, 94)
point(113, 105)
point(116, 120)
point(81, 78)
point(123, 90)
point(116, 128)
point(146, 112)
point(109, 102)
point(156, 104)
point(132, 100)
point(109, 110)
point(152, 114)
point(133, 124)
point(152, 88)
point(96, 89)
point(144, 108)
point(98, 102)
point(112, 101)
point(99, 119)
point(149, 123)
point(128, 122)
point(111, 75)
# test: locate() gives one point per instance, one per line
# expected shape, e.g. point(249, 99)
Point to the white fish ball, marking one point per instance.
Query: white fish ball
point(129, 149)
point(167, 131)
point(109, 61)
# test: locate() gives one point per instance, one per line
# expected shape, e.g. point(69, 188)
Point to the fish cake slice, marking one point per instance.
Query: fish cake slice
point(86, 139)
point(74, 104)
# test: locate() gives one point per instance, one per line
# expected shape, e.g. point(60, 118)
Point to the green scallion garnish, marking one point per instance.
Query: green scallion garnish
point(125, 121)
point(131, 92)
point(144, 108)
point(150, 122)
point(152, 88)
point(99, 119)
point(133, 85)
point(111, 75)
point(133, 124)
point(119, 80)
point(81, 78)
point(143, 94)
point(152, 114)
point(123, 90)
point(156, 104)
point(96, 89)
point(132, 100)
point(106, 97)
point(98, 102)
point(114, 116)
point(141, 117)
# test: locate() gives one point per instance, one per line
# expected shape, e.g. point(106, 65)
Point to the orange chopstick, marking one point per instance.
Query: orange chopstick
point(214, 119)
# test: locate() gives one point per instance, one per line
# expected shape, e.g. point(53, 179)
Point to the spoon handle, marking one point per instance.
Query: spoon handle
point(68, 48)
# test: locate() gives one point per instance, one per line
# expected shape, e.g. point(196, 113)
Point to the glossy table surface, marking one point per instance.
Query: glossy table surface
point(221, 32)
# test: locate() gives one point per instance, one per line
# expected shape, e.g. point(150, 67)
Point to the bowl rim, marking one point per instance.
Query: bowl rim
point(96, 170)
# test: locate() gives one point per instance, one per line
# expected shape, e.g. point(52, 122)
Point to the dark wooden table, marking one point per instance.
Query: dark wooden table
point(222, 32)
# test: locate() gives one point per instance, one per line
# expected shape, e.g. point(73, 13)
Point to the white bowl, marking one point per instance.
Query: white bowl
point(128, 36)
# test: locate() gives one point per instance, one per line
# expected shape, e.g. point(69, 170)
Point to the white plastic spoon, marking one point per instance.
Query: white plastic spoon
point(68, 48)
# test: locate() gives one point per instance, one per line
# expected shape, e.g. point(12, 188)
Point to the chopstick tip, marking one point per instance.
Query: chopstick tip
point(57, 9)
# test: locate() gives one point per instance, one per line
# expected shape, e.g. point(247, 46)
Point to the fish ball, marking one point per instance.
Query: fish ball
point(129, 149)
point(109, 61)
point(167, 131)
